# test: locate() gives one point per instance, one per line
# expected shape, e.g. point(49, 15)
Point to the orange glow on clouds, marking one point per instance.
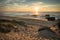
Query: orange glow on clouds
point(32, 8)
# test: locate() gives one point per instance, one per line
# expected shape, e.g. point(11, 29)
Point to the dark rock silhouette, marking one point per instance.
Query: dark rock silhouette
point(47, 15)
point(49, 18)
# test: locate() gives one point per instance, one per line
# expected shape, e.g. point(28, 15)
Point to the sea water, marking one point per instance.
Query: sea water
point(29, 14)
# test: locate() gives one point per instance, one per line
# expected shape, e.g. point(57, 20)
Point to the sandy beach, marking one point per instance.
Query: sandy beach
point(29, 32)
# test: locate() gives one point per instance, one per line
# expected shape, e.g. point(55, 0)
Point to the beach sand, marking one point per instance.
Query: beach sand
point(31, 31)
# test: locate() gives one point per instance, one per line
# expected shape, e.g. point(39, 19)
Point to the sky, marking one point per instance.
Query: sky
point(29, 5)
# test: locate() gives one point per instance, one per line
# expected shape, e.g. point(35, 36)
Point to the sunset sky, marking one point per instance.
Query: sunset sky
point(29, 5)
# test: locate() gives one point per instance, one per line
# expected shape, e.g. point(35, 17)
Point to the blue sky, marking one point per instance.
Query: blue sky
point(29, 1)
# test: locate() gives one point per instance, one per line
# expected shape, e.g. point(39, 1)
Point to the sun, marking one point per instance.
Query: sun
point(36, 8)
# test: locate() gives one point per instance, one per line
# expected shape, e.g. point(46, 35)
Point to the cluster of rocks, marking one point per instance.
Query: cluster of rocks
point(7, 26)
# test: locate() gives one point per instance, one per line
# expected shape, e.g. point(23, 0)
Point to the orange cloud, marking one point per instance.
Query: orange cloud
point(30, 9)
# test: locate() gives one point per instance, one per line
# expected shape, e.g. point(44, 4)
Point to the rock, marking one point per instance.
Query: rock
point(43, 28)
point(47, 34)
point(22, 23)
point(5, 28)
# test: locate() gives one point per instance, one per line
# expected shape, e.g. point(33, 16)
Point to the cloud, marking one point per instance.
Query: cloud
point(27, 2)
point(23, 1)
point(19, 1)
point(49, 5)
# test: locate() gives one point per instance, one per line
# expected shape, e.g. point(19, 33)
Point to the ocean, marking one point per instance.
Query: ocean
point(29, 14)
